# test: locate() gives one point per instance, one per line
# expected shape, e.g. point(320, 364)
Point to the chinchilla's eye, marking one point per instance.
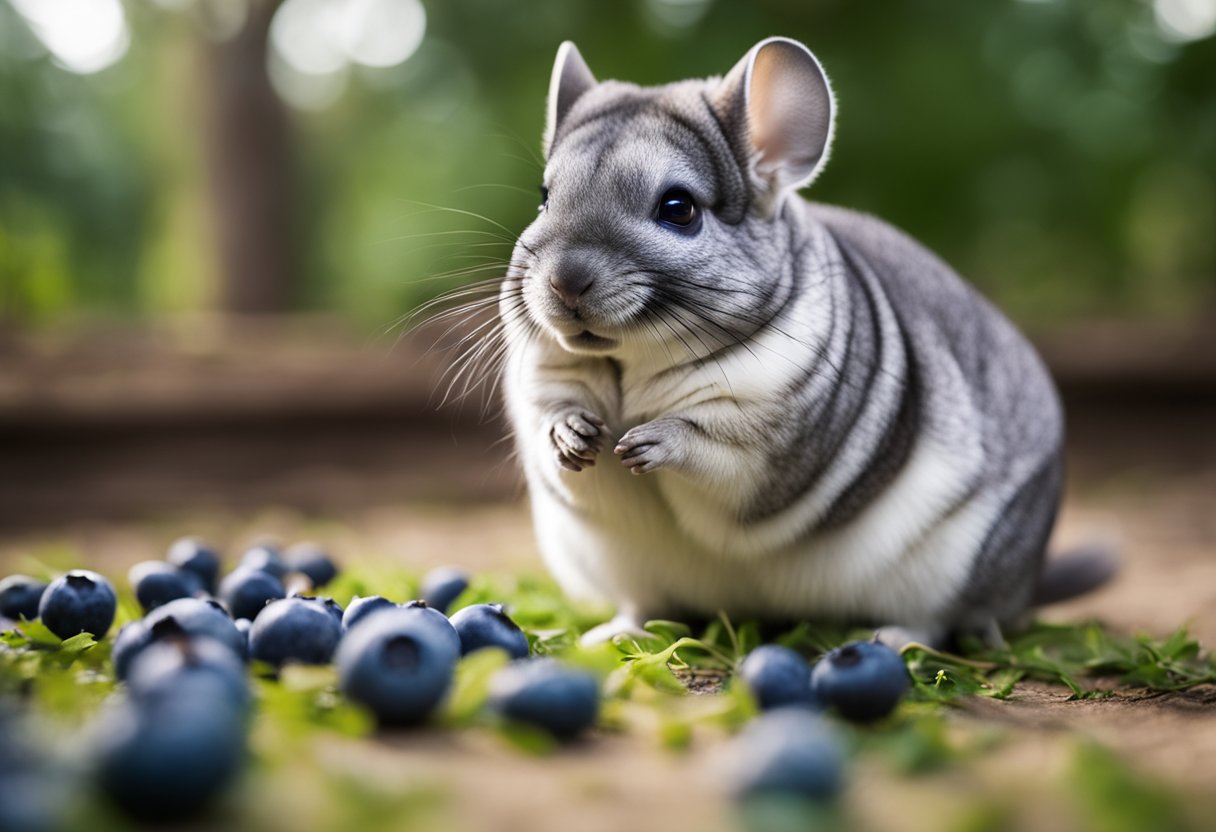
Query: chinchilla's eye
point(677, 208)
point(544, 198)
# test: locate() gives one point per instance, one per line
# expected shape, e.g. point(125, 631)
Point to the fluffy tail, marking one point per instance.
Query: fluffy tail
point(1074, 573)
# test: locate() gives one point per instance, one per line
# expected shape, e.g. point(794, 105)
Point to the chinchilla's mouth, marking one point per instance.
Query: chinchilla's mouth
point(588, 341)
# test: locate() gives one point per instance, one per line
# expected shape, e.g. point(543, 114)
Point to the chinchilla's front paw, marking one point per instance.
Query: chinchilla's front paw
point(577, 436)
point(652, 445)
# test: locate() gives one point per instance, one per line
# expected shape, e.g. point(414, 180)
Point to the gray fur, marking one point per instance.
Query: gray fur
point(877, 357)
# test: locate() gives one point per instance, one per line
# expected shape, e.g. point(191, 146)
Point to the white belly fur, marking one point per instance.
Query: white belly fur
point(902, 560)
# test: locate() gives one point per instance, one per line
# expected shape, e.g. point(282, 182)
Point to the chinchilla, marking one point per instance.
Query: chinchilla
point(828, 423)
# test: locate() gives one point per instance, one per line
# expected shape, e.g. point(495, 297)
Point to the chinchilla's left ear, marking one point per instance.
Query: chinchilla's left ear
point(779, 112)
point(570, 79)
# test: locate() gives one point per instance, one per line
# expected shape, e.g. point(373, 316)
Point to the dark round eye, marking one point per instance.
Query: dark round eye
point(544, 198)
point(677, 208)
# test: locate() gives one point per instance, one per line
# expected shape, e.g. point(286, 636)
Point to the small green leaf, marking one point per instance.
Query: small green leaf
point(471, 686)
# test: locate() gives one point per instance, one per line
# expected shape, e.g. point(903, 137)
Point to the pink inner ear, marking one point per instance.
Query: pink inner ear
point(787, 118)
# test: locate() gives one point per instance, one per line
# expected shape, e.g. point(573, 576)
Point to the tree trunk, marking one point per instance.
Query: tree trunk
point(248, 158)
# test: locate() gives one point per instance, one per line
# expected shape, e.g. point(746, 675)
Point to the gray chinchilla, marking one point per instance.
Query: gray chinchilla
point(828, 422)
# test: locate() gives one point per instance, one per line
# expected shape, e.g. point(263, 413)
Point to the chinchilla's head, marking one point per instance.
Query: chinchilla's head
point(664, 209)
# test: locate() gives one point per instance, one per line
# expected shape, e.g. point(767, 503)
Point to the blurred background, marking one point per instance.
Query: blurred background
point(214, 215)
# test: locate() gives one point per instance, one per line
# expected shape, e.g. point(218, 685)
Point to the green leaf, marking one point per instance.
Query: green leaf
point(471, 686)
point(38, 636)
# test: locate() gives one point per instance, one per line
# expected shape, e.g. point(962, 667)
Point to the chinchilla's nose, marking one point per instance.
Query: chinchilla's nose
point(570, 281)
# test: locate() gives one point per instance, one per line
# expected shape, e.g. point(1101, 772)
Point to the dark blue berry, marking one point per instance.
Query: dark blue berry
point(435, 620)
point(130, 642)
point(546, 694)
point(486, 625)
point(396, 666)
point(19, 597)
point(328, 604)
point(246, 591)
point(264, 558)
point(442, 586)
point(294, 630)
point(193, 617)
point(312, 561)
point(194, 556)
point(167, 758)
point(156, 583)
point(79, 602)
point(776, 676)
point(31, 791)
point(361, 608)
point(789, 752)
point(863, 681)
point(168, 666)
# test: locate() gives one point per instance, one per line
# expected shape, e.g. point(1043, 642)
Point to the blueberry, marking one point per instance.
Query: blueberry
point(193, 555)
point(311, 560)
point(247, 590)
point(79, 602)
point(264, 558)
point(31, 796)
point(294, 630)
point(166, 667)
point(193, 617)
point(436, 621)
point(863, 680)
point(156, 583)
point(486, 625)
point(19, 596)
point(396, 666)
point(546, 694)
point(30, 801)
point(130, 642)
point(442, 586)
point(167, 758)
point(776, 676)
point(328, 604)
point(788, 752)
point(361, 608)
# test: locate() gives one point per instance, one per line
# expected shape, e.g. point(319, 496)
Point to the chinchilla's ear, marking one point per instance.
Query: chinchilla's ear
point(778, 110)
point(570, 79)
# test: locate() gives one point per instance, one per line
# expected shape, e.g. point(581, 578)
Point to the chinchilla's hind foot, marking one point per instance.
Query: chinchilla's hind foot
point(1075, 572)
point(897, 638)
point(623, 624)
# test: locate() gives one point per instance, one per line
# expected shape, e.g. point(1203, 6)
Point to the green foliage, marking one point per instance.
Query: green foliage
point(1068, 655)
point(1061, 154)
point(471, 687)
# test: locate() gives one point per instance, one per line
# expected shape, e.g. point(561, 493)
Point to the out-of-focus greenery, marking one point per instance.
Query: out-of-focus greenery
point(1062, 154)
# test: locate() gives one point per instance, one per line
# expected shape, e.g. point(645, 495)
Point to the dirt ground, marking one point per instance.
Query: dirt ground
point(1165, 529)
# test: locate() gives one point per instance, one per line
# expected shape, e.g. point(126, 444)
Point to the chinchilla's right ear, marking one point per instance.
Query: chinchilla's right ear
point(779, 112)
point(570, 79)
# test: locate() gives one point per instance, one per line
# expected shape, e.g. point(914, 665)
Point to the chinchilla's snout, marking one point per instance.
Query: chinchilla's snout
point(570, 280)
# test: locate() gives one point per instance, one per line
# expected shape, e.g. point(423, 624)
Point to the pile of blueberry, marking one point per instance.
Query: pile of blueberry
point(178, 736)
point(791, 749)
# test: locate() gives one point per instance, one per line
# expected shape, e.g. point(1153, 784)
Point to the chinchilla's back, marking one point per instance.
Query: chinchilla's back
point(949, 327)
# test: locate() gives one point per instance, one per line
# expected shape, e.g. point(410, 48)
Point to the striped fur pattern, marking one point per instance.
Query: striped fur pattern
point(793, 411)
